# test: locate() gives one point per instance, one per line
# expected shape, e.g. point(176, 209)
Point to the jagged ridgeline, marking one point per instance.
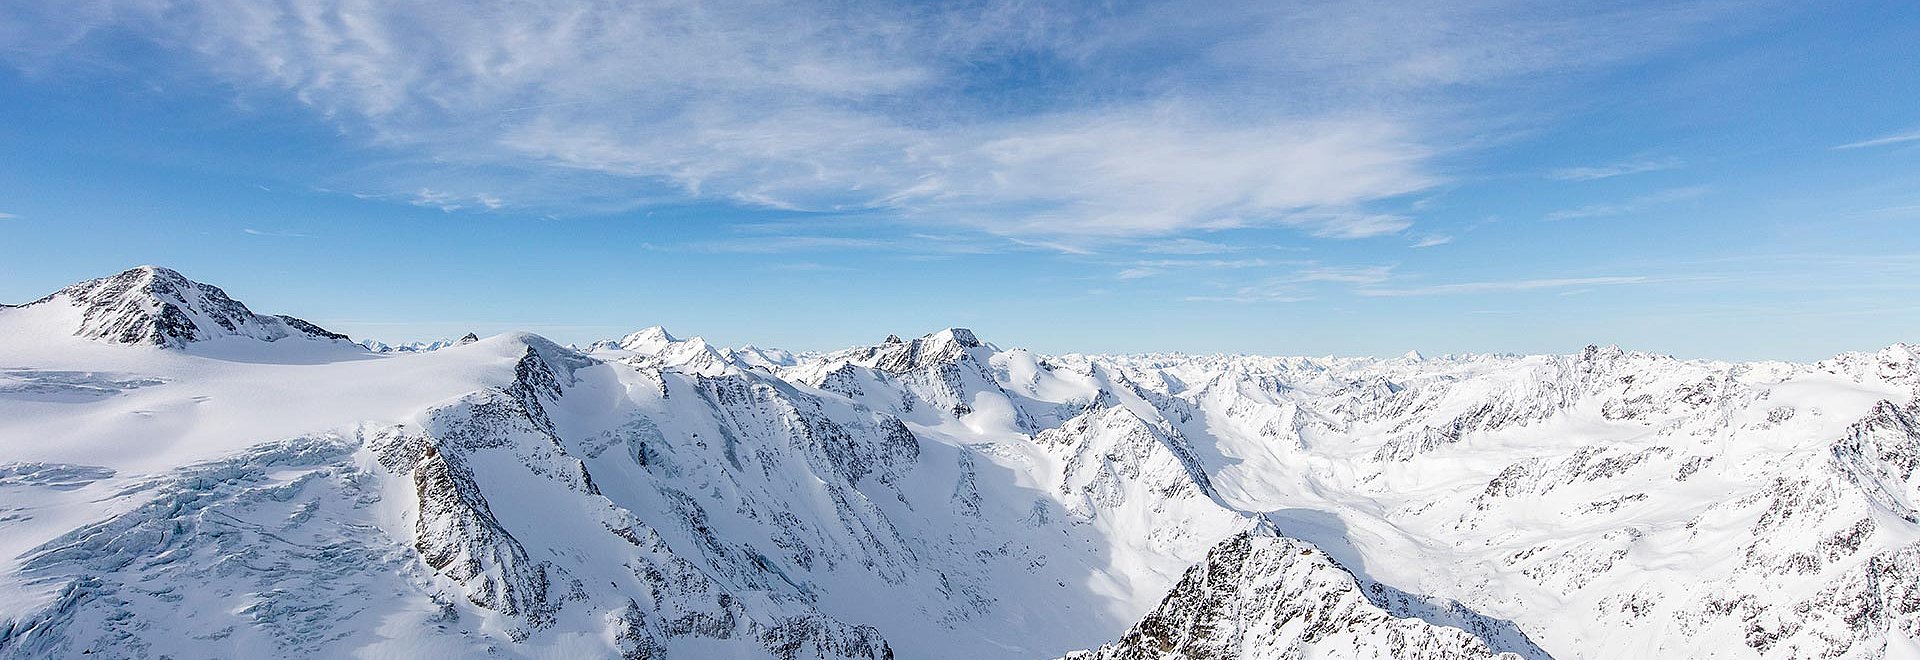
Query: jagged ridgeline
point(160, 307)
point(181, 477)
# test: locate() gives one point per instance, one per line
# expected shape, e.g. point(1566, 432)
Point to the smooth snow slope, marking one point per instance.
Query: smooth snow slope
point(244, 485)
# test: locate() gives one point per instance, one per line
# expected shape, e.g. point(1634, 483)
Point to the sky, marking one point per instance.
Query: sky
point(1727, 180)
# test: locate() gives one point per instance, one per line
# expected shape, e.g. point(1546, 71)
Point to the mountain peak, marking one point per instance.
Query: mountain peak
point(158, 273)
point(961, 336)
point(898, 356)
point(157, 306)
point(648, 340)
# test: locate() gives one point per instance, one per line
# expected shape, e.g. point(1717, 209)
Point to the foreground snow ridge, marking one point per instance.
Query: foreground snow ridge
point(182, 477)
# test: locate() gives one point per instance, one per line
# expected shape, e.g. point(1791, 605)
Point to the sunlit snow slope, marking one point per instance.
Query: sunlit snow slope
point(180, 476)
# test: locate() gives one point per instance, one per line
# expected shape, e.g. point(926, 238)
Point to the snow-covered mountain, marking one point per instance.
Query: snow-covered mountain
point(157, 306)
point(176, 481)
point(654, 347)
point(417, 346)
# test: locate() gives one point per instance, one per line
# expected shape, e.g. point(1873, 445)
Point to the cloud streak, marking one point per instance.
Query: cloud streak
point(1897, 138)
point(1632, 206)
point(1507, 286)
point(1615, 169)
point(275, 234)
point(1301, 284)
point(1189, 246)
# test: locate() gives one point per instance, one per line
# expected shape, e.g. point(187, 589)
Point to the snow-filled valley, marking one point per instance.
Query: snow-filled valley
point(183, 477)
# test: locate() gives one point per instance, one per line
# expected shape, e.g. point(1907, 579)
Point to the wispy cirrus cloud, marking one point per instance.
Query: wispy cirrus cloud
point(1253, 295)
point(792, 239)
point(250, 231)
point(806, 267)
point(1884, 140)
point(1631, 206)
point(1019, 119)
point(449, 202)
point(1153, 267)
point(1213, 264)
point(1506, 286)
point(1268, 292)
point(1190, 246)
point(1343, 274)
point(783, 244)
point(1301, 285)
point(1612, 170)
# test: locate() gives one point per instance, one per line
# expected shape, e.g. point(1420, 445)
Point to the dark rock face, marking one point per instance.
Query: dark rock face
point(717, 590)
point(1266, 597)
point(941, 371)
point(896, 356)
point(1881, 455)
point(1104, 448)
point(156, 306)
point(816, 636)
point(457, 536)
point(309, 328)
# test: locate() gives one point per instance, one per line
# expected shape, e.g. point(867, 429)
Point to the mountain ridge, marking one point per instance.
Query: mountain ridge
point(944, 497)
point(158, 306)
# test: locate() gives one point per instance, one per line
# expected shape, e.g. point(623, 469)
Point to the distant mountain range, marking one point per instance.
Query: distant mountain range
point(183, 477)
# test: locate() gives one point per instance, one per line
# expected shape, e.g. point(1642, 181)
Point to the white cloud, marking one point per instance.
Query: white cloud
point(1277, 115)
point(806, 267)
point(7, 216)
point(277, 234)
point(1882, 141)
point(1351, 224)
point(1170, 170)
point(1344, 274)
point(1189, 246)
point(1378, 46)
point(1505, 286)
point(446, 202)
point(1209, 263)
point(784, 244)
point(1256, 294)
point(1615, 169)
point(1431, 240)
point(1298, 286)
point(1635, 205)
point(1155, 267)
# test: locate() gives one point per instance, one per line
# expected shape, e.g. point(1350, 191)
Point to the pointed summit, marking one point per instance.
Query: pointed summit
point(899, 356)
point(158, 306)
point(961, 336)
point(650, 340)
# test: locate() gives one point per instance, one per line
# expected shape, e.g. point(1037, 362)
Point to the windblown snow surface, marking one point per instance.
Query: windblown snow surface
point(182, 477)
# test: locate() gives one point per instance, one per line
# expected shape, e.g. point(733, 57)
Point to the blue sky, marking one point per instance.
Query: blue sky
point(1708, 179)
